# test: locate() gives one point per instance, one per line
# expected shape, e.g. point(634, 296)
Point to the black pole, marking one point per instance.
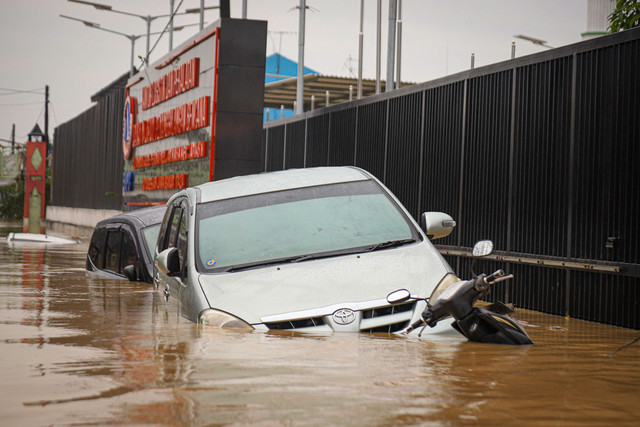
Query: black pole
point(13, 138)
point(46, 113)
point(225, 10)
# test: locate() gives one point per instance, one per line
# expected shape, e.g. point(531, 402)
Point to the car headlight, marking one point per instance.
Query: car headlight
point(447, 281)
point(222, 320)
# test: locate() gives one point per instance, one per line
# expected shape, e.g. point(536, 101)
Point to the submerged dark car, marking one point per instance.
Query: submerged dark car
point(122, 246)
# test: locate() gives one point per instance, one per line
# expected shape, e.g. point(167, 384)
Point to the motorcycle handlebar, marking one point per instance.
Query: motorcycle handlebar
point(497, 276)
point(502, 279)
point(415, 325)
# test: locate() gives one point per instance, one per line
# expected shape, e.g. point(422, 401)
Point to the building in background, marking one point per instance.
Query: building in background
point(598, 12)
point(278, 68)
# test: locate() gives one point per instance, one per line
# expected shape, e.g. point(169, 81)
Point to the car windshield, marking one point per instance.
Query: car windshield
point(295, 225)
point(151, 238)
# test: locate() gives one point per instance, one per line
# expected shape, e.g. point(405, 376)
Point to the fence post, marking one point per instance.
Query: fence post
point(572, 143)
point(463, 137)
point(284, 147)
point(512, 137)
point(266, 150)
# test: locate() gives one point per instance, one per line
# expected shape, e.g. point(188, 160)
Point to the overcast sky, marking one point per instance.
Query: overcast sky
point(39, 48)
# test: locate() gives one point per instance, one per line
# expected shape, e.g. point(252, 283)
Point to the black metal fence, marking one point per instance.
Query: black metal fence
point(540, 154)
point(87, 157)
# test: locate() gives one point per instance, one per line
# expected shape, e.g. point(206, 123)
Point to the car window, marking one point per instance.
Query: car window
point(163, 235)
point(181, 242)
point(128, 254)
point(112, 252)
point(298, 222)
point(170, 224)
point(173, 231)
point(151, 238)
point(97, 246)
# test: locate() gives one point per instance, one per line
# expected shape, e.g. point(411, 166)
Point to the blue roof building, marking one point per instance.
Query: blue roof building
point(278, 67)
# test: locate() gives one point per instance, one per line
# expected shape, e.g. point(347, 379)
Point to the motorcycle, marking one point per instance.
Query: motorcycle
point(456, 299)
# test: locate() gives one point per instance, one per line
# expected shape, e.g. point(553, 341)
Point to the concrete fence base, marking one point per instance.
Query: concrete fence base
point(78, 216)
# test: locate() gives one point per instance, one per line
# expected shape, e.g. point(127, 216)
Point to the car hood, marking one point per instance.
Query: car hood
point(287, 288)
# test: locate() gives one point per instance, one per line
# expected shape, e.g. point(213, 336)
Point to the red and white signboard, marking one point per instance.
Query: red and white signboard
point(168, 116)
point(207, 95)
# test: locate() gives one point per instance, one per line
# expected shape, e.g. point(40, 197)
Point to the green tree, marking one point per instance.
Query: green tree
point(12, 201)
point(626, 15)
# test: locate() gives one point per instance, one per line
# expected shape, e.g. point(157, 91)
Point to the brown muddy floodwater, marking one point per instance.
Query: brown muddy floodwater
point(81, 351)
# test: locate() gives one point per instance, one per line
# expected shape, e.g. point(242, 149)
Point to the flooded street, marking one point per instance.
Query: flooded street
point(85, 351)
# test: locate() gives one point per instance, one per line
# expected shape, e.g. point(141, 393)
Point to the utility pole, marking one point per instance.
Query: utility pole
point(201, 16)
point(225, 9)
point(46, 114)
point(360, 43)
point(391, 45)
point(171, 25)
point(300, 86)
point(399, 51)
point(378, 44)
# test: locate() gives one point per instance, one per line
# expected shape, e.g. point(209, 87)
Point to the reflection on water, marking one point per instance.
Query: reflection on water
point(78, 350)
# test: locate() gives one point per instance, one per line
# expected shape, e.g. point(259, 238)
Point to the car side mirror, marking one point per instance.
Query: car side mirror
point(130, 272)
point(168, 262)
point(437, 224)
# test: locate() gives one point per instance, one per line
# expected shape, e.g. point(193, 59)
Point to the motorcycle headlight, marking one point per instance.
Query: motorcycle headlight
point(446, 282)
point(222, 320)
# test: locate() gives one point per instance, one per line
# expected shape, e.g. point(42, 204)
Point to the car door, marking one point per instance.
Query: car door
point(173, 234)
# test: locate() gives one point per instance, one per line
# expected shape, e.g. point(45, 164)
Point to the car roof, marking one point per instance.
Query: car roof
point(276, 181)
point(140, 217)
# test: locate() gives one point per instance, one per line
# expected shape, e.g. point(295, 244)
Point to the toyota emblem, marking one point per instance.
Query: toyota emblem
point(344, 316)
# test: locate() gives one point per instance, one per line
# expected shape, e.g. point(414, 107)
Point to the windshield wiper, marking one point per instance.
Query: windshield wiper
point(389, 244)
point(299, 258)
point(296, 258)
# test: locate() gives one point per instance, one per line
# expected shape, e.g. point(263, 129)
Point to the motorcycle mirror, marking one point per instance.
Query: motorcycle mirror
point(401, 295)
point(482, 248)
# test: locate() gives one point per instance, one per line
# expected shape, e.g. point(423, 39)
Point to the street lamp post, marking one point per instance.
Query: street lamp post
point(148, 18)
point(132, 38)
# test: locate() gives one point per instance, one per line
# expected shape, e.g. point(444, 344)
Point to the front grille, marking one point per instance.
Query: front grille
point(379, 319)
point(388, 310)
point(295, 324)
point(387, 329)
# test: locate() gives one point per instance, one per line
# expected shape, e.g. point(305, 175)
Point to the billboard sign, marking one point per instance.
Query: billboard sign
point(170, 118)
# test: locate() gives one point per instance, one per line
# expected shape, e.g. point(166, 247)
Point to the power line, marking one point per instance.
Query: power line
point(17, 91)
point(39, 115)
point(54, 112)
point(23, 103)
point(173, 12)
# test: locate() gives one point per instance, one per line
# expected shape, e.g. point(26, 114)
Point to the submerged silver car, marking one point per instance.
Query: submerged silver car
point(316, 249)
